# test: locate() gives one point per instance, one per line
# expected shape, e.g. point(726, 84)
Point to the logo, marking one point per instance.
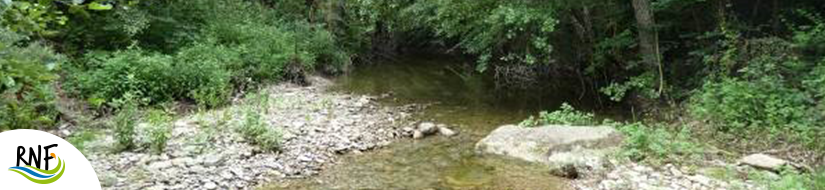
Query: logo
point(36, 174)
point(39, 160)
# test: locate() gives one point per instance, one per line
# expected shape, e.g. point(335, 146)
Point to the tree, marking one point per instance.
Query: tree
point(648, 38)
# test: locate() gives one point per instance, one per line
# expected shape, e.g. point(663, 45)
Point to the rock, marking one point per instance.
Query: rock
point(700, 179)
point(418, 134)
point(565, 149)
point(210, 185)
point(427, 128)
point(107, 179)
point(446, 131)
point(762, 161)
point(160, 165)
point(184, 161)
point(212, 159)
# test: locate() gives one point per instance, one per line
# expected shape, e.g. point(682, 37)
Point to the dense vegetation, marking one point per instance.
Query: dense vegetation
point(741, 69)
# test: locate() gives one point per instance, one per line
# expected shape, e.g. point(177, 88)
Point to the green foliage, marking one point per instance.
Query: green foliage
point(204, 73)
point(32, 17)
point(155, 77)
point(124, 123)
point(566, 115)
point(656, 144)
point(644, 84)
point(256, 129)
point(240, 44)
point(771, 91)
point(810, 38)
point(495, 31)
point(26, 74)
point(112, 76)
point(79, 138)
point(793, 180)
point(160, 130)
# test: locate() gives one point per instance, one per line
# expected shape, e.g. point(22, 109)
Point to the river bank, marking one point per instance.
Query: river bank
point(205, 151)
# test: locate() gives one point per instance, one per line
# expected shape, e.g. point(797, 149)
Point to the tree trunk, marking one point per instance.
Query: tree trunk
point(648, 38)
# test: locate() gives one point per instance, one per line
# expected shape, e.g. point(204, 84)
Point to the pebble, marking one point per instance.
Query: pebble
point(204, 155)
point(210, 185)
point(640, 177)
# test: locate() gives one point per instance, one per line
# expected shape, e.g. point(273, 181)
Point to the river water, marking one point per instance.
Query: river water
point(467, 101)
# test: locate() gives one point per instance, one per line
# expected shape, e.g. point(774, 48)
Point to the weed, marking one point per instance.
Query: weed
point(160, 130)
point(657, 144)
point(124, 126)
point(566, 115)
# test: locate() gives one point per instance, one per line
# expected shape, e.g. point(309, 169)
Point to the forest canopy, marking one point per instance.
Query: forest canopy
point(741, 66)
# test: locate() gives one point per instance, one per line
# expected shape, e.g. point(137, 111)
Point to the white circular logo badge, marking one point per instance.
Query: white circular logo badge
point(33, 159)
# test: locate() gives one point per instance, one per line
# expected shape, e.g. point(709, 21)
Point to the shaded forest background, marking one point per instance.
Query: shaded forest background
point(736, 69)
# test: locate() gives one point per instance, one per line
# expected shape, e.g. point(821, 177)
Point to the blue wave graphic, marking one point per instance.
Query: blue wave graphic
point(31, 172)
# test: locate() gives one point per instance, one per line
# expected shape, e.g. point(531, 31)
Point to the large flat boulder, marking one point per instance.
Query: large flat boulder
point(567, 150)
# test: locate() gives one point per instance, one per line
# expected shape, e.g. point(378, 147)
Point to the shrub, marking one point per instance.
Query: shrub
point(566, 115)
point(205, 71)
point(657, 144)
point(160, 130)
point(27, 71)
point(192, 74)
point(110, 76)
point(792, 180)
point(771, 92)
point(740, 106)
point(124, 124)
point(255, 128)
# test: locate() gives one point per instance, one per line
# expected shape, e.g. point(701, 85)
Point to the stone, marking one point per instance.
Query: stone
point(210, 185)
point(427, 128)
point(418, 134)
point(107, 179)
point(212, 159)
point(565, 149)
point(184, 161)
point(762, 161)
point(160, 165)
point(700, 179)
point(446, 131)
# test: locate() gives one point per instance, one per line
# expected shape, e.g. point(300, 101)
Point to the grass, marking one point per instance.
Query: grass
point(79, 139)
point(255, 128)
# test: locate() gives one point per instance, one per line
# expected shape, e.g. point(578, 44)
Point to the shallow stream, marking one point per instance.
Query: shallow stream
point(467, 101)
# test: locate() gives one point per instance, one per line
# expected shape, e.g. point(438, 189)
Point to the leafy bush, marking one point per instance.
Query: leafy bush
point(495, 31)
point(124, 124)
point(566, 115)
point(205, 74)
point(240, 44)
point(741, 106)
point(27, 99)
point(255, 128)
point(810, 38)
point(792, 180)
point(160, 130)
point(31, 17)
point(657, 144)
point(770, 91)
point(111, 76)
point(154, 77)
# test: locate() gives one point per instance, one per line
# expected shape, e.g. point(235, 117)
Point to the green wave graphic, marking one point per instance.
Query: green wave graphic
point(46, 181)
point(52, 171)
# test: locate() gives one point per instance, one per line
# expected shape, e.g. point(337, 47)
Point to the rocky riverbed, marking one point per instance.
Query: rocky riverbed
point(642, 177)
point(205, 151)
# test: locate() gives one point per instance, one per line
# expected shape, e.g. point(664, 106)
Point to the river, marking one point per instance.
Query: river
point(467, 101)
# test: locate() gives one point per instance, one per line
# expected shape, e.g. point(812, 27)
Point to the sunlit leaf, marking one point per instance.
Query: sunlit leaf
point(99, 7)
